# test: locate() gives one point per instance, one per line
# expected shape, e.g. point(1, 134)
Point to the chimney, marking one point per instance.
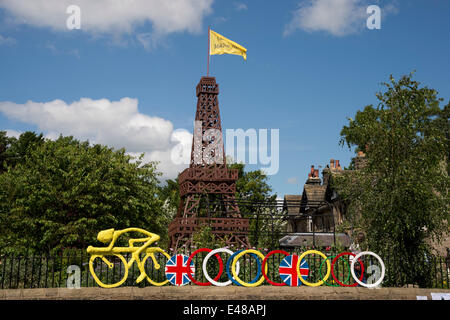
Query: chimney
point(338, 166)
point(331, 163)
point(311, 174)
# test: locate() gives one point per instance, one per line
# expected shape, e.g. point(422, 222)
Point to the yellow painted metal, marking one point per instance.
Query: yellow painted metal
point(315, 284)
point(233, 268)
point(105, 253)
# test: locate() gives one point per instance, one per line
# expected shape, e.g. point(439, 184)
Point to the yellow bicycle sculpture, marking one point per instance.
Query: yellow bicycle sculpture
point(110, 236)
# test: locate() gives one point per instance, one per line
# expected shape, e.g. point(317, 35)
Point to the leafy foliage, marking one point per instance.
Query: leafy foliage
point(63, 192)
point(170, 192)
point(252, 185)
point(13, 151)
point(400, 198)
point(5, 144)
point(204, 238)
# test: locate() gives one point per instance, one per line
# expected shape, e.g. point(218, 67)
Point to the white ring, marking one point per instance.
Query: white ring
point(352, 269)
point(205, 261)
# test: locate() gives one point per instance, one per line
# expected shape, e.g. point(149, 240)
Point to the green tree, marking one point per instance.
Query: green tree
point(204, 238)
point(65, 191)
point(443, 122)
point(253, 188)
point(252, 185)
point(22, 146)
point(13, 151)
point(5, 145)
point(400, 198)
point(169, 193)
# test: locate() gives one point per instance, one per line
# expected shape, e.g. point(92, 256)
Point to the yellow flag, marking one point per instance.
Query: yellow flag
point(221, 45)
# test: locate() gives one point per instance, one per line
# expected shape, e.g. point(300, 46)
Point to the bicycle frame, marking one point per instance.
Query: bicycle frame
point(120, 250)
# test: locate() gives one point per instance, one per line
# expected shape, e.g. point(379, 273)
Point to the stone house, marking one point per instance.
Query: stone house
point(314, 215)
point(319, 210)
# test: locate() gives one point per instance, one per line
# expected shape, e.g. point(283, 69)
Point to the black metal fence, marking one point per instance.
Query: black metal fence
point(270, 221)
point(71, 267)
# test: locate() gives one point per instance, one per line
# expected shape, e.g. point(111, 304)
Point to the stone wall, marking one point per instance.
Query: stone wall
point(220, 293)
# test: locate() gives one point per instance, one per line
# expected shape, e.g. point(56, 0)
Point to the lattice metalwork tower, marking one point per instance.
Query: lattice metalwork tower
point(208, 181)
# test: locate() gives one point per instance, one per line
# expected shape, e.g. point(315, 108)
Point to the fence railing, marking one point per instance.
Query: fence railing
point(270, 221)
point(45, 271)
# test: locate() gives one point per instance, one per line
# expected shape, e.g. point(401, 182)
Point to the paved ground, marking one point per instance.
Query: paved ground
point(220, 293)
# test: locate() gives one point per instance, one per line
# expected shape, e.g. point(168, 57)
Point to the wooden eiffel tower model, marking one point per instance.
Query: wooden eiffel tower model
point(208, 187)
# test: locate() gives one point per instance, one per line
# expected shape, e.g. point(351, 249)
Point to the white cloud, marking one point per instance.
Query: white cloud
point(292, 180)
point(240, 6)
point(180, 151)
point(13, 133)
point(218, 20)
point(338, 17)
point(51, 47)
point(54, 50)
point(114, 123)
point(116, 17)
point(6, 40)
point(75, 53)
point(150, 40)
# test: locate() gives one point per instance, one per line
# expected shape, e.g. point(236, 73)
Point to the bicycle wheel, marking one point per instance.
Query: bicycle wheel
point(103, 266)
point(320, 282)
point(343, 284)
point(335, 279)
point(153, 251)
point(235, 275)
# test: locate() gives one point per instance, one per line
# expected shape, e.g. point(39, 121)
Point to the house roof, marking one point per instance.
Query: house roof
point(317, 239)
point(314, 192)
point(292, 203)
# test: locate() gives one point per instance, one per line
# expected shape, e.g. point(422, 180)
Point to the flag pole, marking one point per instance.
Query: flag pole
point(209, 44)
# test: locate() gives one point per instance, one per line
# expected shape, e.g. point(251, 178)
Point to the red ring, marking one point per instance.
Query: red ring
point(332, 269)
point(204, 284)
point(264, 269)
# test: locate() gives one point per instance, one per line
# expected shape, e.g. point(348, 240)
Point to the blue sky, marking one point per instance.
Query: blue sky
point(127, 77)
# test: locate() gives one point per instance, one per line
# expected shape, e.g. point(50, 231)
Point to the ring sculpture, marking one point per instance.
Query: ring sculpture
point(180, 269)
